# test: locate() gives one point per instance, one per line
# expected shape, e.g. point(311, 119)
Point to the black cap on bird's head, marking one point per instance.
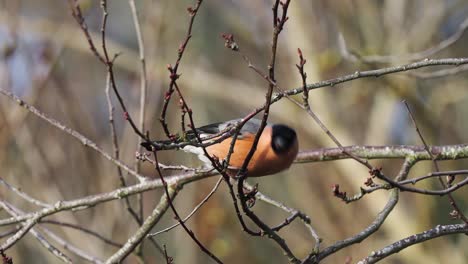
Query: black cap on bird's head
point(282, 138)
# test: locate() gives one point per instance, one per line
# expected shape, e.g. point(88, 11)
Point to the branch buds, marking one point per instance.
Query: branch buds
point(337, 193)
point(229, 42)
point(455, 214)
point(302, 61)
point(173, 76)
point(192, 11)
point(6, 259)
point(375, 172)
point(369, 182)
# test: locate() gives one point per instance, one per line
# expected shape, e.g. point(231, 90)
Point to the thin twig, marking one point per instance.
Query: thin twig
point(76, 12)
point(146, 227)
point(440, 73)
point(84, 140)
point(193, 11)
point(360, 195)
point(195, 209)
point(435, 174)
point(73, 249)
point(42, 240)
point(278, 24)
point(405, 188)
point(115, 146)
point(143, 78)
point(143, 92)
point(372, 228)
point(24, 195)
point(92, 200)
point(453, 203)
point(407, 57)
point(294, 213)
point(176, 214)
point(375, 73)
point(84, 230)
point(106, 60)
point(9, 232)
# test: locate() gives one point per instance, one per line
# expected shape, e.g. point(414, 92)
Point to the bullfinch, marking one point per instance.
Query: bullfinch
point(276, 149)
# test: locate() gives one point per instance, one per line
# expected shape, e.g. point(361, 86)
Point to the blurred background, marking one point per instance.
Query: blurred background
point(45, 59)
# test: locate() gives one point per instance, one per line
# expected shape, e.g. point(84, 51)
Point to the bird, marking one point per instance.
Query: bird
point(276, 149)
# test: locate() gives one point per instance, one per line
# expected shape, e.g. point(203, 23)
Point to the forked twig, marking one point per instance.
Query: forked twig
point(448, 188)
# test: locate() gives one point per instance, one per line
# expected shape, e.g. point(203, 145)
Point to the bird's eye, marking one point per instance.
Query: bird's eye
point(280, 144)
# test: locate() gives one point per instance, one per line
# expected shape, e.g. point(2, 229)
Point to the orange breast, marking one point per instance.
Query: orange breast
point(264, 161)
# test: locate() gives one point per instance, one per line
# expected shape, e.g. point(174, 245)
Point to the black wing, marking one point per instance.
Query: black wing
point(250, 127)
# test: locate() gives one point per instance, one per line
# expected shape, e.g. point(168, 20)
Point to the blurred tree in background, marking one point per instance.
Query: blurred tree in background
point(45, 59)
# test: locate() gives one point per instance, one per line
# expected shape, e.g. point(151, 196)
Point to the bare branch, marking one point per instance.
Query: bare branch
point(402, 187)
point(407, 57)
point(440, 73)
point(92, 200)
point(446, 152)
point(435, 174)
point(195, 209)
point(56, 252)
point(193, 11)
point(278, 24)
point(84, 140)
point(115, 146)
point(438, 231)
point(146, 227)
point(24, 195)
point(84, 230)
point(294, 213)
point(76, 12)
point(372, 228)
point(143, 92)
point(376, 73)
point(458, 212)
point(176, 214)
